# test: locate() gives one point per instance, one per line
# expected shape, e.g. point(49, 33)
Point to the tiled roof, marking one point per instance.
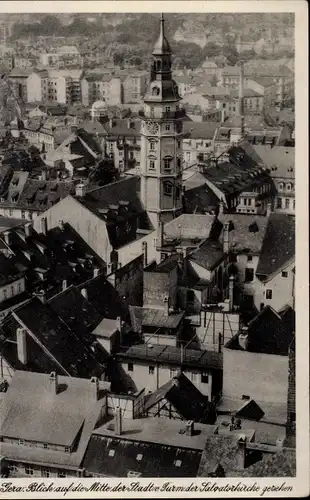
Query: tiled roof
point(189, 226)
point(241, 238)
point(41, 195)
point(30, 398)
point(279, 157)
point(189, 402)
point(208, 255)
point(71, 353)
point(200, 199)
point(49, 259)
point(200, 130)
point(9, 271)
point(143, 316)
point(120, 128)
point(115, 456)
point(169, 355)
point(278, 245)
point(280, 464)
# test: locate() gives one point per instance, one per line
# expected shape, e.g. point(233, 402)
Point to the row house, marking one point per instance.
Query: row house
point(98, 87)
point(62, 86)
point(197, 144)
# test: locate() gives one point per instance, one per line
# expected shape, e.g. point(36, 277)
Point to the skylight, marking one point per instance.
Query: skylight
point(111, 453)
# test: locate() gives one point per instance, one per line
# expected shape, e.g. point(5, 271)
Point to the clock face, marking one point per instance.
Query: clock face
point(152, 127)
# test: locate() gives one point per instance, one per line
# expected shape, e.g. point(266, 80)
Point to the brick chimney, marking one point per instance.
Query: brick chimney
point(21, 338)
point(94, 387)
point(145, 256)
point(118, 421)
point(269, 209)
point(43, 225)
point(241, 452)
point(80, 190)
point(189, 429)
point(28, 229)
point(166, 305)
point(231, 292)
point(53, 383)
point(61, 225)
point(7, 237)
point(226, 237)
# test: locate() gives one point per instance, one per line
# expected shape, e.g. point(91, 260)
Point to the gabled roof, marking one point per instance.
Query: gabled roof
point(71, 353)
point(280, 464)
point(144, 316)
point(185, 398)
point(52, 418)
point(200, 130)
point(242, 239)
point(278, 247)
point(208, 255)
point(189, 227)
point(279, 159)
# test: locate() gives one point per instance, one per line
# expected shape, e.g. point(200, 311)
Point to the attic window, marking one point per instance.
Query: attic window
point(177, 463)
point(139, 457)
point(42, 187)
point(111, 453)
point(253, 228)
point(15, 181)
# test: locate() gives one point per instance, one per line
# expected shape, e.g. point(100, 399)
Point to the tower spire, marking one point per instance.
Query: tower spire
point(162, 45)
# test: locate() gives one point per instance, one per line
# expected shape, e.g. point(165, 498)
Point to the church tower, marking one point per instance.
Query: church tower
point(161, 139)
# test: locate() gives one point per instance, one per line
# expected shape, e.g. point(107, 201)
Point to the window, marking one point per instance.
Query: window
point(67, 449)
point(130, 367)
point(249, 258)
point(23, 214)
point(151, 370)
point(204, 378)
point(194, 377)
point(152, 146)
point(281, 185)
point(287, 203)
point(121, 153)
point(167, 164)
point(21, 442)
point(133, 474)
point(61, 474)
point(168, 189)
point(152, 165)
point(268, 294)
point(179, 144)
point(190, 296)
point(5, 293)
point(12, 290)
point(177, 463)
point(294, 203)
point(249, 275)
point(279, 202)
point(168, 109)
point(111, 453)
point(45, 446)
point(284, 274)
point(288, 187)
point(173, 372)
point(13, 468)
point(45, 473)
point(167, 127)
point(29, 470)
point(11, 213)
point(139, 457)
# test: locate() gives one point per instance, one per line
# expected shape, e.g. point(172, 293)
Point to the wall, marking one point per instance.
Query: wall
point(6, 371)
point(242, 264)
point(150, 338)
point(141, 377)
point(157, 286)
point(131, 406)
point(34, 92)
point(263, 377)
point(17, 469)
point(282, 289)
point(17, 213)
point(131, 251)
point(90, 227)
point(12, 289)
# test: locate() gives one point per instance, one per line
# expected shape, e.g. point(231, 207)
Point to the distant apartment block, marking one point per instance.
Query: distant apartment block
point(65, 56)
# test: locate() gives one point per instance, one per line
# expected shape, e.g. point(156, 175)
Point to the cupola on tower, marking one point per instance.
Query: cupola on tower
point(161, 139)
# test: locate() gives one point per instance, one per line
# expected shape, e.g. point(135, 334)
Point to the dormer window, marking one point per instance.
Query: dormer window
point(288, 187)
point(155, 91)
point(281, 186)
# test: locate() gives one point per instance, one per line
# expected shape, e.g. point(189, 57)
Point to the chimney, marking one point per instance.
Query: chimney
point(166, 305)
point(243, 338)
point(128, 123)
point(80, 190)
point(111, 122)
point(241, 452)
point(231, 292)
point(144, 249)
point(222, 115)
point(94, 386)
point(241, 97)
point(28, 229)
point(119, 323)
point(269, 209)
point(96, 272)
point(221, 207)
point(61, 224)
point(53, 383)
point(21, 338)
point(7, 237)
point(160, 234)
point(64, 285)
point(44, 225)
point(41, 296)
point(84, 293)
point(118, 421)
point(189, 430)
point(226, 237)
